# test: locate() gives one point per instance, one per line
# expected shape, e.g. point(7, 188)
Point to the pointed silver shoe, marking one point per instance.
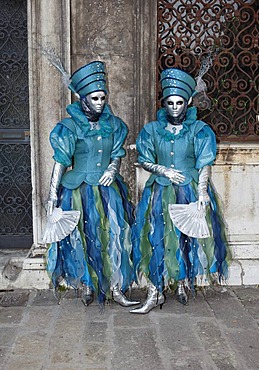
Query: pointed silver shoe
point(120, 298)
point(154, 299)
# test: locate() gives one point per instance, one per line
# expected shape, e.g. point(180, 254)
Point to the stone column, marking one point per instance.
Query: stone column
point(48, 26)
point(122, 33)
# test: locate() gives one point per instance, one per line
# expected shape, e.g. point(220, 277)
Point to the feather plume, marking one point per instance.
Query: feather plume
point(52, 56)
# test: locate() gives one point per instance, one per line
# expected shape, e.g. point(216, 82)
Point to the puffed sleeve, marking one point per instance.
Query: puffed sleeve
point(145, 145)
point(119, 137)
point(205, 147)
point(63, 142)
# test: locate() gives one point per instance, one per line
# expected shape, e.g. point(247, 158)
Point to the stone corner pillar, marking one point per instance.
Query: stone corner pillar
point(48, 26)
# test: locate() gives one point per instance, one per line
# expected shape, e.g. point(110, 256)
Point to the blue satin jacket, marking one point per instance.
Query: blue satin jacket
point(191, 149)
point(89, 152)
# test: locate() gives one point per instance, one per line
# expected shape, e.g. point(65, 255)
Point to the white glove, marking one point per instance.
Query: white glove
point(109, 175)
point(204, 175)
point(57, 173)
point(173, 175)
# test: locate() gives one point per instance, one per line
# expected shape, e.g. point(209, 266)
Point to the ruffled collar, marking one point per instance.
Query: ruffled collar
point(76, 112)
point(191, 116)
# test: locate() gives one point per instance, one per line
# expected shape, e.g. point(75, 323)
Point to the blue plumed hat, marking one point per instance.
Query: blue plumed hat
point(174, 81)
point(88, 79)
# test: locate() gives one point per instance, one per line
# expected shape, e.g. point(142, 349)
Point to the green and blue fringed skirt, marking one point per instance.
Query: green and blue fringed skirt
point(163, 254)
point(98, 252)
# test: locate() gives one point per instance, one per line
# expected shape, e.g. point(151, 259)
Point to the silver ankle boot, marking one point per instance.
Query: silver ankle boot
point(120, 298)
point(87, 295)
point(154, 298)
point(181, 295)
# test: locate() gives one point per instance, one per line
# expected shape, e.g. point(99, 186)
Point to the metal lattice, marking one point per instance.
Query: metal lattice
point(188, 30)
point(15, 194)
point(15, 164)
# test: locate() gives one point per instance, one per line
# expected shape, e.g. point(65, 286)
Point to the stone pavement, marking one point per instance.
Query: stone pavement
point(217, 330)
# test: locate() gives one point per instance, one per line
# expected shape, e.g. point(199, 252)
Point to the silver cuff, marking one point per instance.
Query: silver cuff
point(204, 175)
point(57, 173)
point(109, 174)
point(154, 168)
point(173, 175)
point(114, 166)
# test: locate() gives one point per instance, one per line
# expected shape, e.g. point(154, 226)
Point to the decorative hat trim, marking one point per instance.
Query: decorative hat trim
point(167, 73)
point(89, 64)
point(88, 79)
point(94, 73)
point(175, 87)
point(92, 83)
point(175, 82)
point(175, 79)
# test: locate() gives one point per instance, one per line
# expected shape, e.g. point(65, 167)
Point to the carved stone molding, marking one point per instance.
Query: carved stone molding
point(238, 154)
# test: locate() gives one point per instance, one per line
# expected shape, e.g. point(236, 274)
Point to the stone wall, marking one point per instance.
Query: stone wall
point(236, 176)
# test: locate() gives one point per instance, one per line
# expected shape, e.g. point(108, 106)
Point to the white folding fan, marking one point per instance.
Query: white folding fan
point(189, 220)
point(60, 224)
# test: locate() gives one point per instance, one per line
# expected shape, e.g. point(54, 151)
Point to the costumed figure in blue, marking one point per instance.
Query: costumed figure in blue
point(97, 255)
point(179, 151)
